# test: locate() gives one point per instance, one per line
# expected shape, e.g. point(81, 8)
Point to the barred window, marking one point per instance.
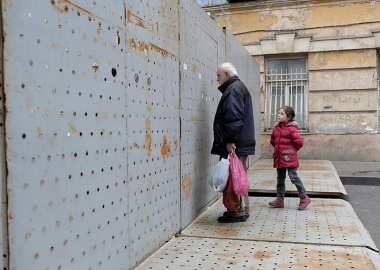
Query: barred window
point(378, 105)
point(286, 84)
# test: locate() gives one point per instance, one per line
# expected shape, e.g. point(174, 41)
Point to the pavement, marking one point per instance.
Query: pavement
point(362, 183)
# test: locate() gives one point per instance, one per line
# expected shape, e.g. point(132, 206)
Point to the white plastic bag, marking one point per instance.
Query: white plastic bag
point(219, 176)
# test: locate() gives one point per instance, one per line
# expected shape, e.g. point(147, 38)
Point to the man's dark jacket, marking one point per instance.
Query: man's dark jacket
point(233, 121)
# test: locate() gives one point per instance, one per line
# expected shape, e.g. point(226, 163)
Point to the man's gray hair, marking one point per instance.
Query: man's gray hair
point(230, 68)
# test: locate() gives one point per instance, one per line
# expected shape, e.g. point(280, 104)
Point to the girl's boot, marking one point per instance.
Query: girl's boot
point(304, 202)
point(277, 203)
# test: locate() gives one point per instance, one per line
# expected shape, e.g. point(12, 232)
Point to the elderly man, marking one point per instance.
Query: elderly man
point(234, 131)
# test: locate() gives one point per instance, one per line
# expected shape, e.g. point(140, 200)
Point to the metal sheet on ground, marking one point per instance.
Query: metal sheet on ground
point(216, 253)
point(305, 165)
point(315, 182)
point(326, 221)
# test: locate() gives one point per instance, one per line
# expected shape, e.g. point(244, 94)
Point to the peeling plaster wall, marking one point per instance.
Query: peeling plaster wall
point(327, 19)
point(340, 39)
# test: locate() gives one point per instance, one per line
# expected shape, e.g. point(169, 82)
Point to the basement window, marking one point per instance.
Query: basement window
point(286, 85)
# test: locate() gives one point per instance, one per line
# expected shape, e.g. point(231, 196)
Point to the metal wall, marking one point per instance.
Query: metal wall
point(3, 184)
point(66, 134)
point(153, 124)
point(108, 128)
point(202, 50)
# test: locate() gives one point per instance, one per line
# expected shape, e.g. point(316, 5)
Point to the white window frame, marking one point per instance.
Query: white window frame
point(287, 79)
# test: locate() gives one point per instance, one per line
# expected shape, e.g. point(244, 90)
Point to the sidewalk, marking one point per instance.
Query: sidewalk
point(362, 183)
point(358, 173)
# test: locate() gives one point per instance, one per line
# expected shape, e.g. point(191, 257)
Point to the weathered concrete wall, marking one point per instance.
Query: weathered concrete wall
point(340, 40)
point(254, 21)
point(342, 92)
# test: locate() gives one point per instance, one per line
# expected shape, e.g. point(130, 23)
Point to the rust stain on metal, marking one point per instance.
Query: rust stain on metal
point(186, 185)
point(147, 123)
point(73, 128)
point(62, 6)
point(135, 145)
point(163, 51)
point(175, 143)
point(164, 93)
point(143, 46)
point(227, 232)
point(148, 144)
point(165, 148)
point(138, 21)
point(264, 254)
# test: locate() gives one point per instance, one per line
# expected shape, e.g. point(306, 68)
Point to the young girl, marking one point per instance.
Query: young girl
point(286, 142)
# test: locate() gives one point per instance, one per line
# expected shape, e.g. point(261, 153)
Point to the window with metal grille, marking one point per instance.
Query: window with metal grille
point(286, 84)
point(378, 105)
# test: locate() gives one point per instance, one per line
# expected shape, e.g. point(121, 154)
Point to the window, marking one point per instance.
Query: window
point(286, 84)
point(378, 105)
point(378, 92)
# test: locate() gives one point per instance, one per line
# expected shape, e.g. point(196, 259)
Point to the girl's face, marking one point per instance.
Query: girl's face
point(282, 117)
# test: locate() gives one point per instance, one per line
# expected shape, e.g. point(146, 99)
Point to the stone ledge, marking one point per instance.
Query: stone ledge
point(290, 44)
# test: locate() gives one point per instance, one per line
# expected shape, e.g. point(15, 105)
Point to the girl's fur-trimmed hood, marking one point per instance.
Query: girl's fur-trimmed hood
point(291, 123)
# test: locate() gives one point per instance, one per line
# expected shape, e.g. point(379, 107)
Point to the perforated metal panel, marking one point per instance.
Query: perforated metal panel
point(253, 85)
point(3, 184)
point(328, 234)
point(326, 221)
point(152, 81)
point(322, 183)
point(202, 49)
point(220, 253)
point(65, 134)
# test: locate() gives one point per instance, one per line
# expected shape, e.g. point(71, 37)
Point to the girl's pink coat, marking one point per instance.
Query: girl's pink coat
point(286, 142)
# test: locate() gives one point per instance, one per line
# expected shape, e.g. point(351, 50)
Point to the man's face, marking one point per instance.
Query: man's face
point(222, 76)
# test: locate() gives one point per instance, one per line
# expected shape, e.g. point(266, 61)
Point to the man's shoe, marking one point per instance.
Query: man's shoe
point(225, 214)
point(304, 202)
point(229, 219)
point(277, 203)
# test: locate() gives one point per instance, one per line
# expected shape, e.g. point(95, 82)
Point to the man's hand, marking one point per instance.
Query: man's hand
point(230, 147)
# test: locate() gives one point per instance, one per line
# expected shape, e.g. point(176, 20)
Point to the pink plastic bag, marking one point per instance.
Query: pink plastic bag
point(238, 176)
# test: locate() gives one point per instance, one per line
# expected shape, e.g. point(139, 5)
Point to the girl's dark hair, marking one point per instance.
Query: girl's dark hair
point(289, 112)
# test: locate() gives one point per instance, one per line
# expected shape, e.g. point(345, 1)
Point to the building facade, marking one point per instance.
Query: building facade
point(321, 58)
